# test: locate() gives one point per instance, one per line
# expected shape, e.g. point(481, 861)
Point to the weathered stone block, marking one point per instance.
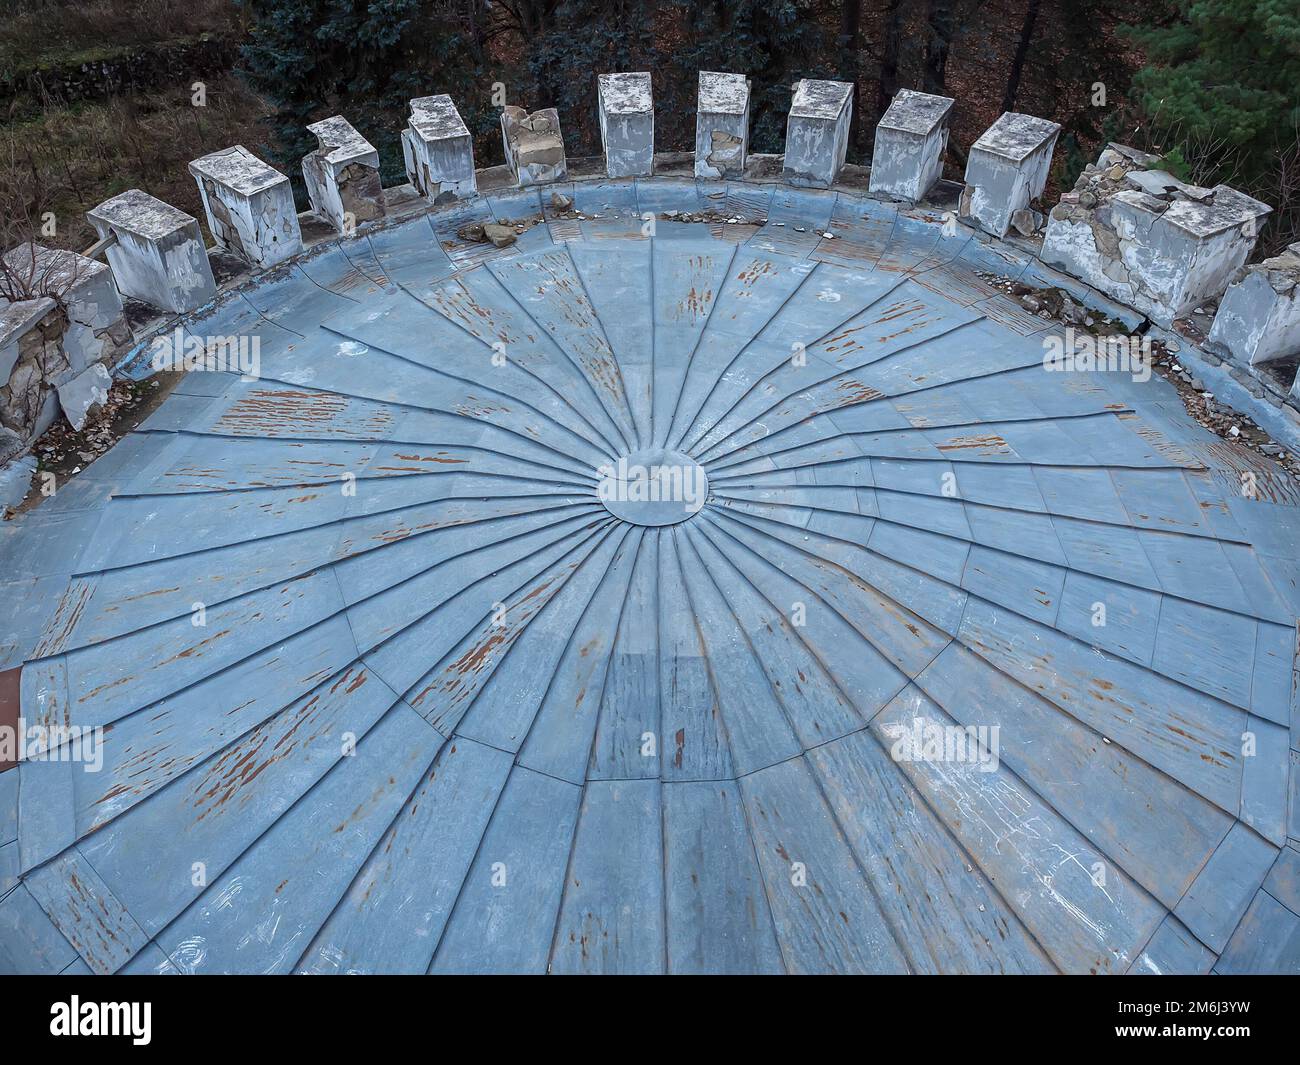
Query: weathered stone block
point(1259, 316)
point(82, 393)
point(817, 132)
point(626, 109)
point(534, 147)
point(249, 206)
point(342, 176)
point(721, 125)
point(159, 256)
point(17, 320)
point(1147, 239)
point(1007, 167)
point(439, 151)
point(85, 289)
point(910, 141)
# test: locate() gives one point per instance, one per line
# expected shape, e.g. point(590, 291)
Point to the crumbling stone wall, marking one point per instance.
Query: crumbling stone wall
point(53, 346)
point(1147, 239)
point(141, 68)
point(39, 363)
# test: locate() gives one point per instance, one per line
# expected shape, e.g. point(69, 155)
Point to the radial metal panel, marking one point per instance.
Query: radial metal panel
point(392, 679)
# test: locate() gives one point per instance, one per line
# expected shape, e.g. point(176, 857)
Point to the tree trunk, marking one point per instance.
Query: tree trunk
point(850, 40)
point(939, 18)
point(1022, 53)
point(477, 24)
point(887, 87)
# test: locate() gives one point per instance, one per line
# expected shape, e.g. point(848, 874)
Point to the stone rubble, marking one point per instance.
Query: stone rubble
point(1204, 407)
point(710, 216)
point(1027, 221)
point(501, 233)
point(1217, 416)
point(1055, 304)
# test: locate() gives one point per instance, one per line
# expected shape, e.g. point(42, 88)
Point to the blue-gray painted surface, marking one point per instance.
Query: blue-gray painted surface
point(386, 687)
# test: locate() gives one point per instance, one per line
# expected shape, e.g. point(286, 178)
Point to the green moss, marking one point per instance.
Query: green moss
point(66, 57)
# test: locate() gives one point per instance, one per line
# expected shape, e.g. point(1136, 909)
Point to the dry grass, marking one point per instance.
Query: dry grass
point(67, 160)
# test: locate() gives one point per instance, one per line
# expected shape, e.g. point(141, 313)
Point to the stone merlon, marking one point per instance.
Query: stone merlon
point(342, 176)
point(1006, 169)
point(533, 145)
point(86, 291)
point(910, 142)
point(817, 132)
point(627, 123)
point(1259, 316)
point(158, 257)
point(721, 125)
point(249, 206)
point(438, 150)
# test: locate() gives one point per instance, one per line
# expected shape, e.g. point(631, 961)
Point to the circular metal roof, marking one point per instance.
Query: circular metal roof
point(655, 597)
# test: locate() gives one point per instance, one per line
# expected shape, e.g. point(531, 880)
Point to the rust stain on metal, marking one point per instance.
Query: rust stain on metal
point(59, 628)
point(10, 710)
point(265, 412)
point(856, 392)
point(983, 443)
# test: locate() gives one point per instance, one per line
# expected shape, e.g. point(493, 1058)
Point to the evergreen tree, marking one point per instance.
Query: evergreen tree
point(775, 42)
point(1224, 79)
point(772, 41)
point(581, 39)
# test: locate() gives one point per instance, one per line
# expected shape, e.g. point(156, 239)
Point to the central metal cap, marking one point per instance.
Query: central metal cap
point(653, 486)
